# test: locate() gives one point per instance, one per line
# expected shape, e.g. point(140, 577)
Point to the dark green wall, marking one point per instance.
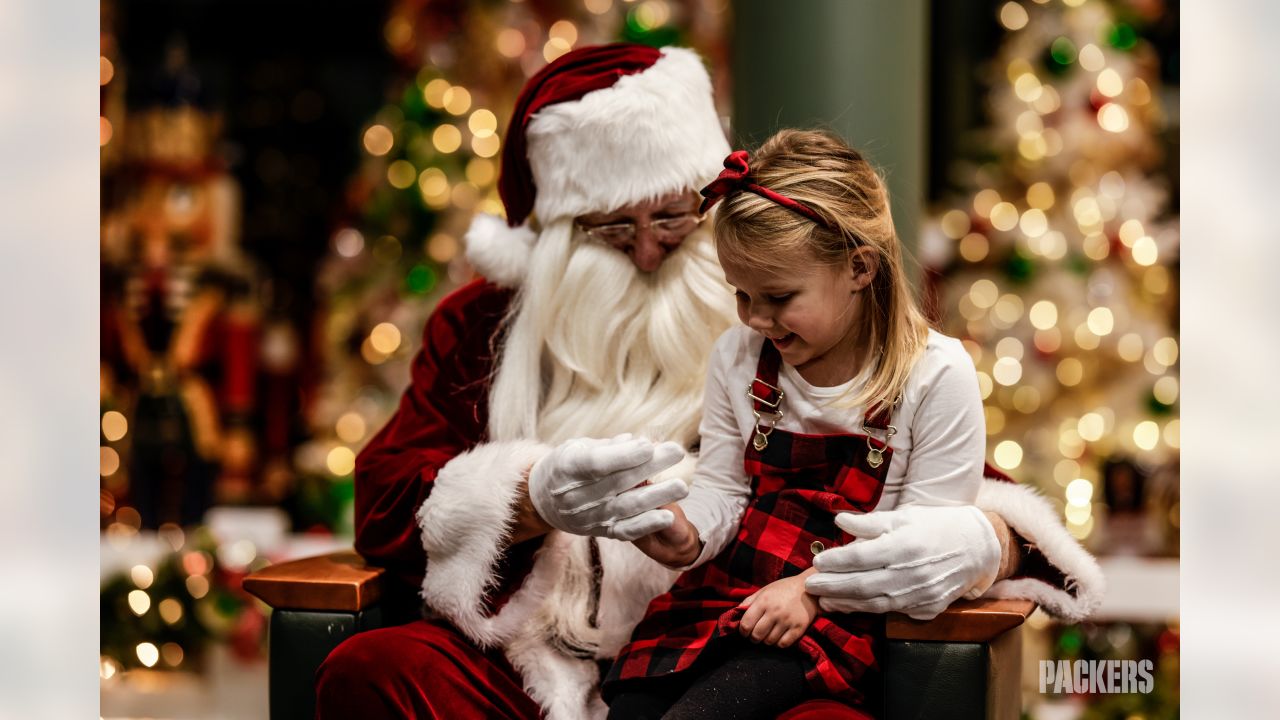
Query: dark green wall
point(855, 66)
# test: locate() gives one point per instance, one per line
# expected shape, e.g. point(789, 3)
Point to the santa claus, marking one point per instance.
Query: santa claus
point(554, 410)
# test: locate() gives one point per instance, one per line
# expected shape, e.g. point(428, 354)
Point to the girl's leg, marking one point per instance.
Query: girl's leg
point(756, 681)
point(648, 700)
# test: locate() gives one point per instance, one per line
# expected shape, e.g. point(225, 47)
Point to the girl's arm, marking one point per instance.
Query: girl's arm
point(948, 431)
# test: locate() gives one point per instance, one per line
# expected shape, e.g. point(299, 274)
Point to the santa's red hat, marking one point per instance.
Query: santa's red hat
point(606, 126)
point(603, 127)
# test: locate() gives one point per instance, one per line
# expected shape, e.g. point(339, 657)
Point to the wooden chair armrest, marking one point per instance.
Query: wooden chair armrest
point(337, 582)
point(977, 621)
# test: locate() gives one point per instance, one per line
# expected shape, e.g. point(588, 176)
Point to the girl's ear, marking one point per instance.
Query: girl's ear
point(864, 261)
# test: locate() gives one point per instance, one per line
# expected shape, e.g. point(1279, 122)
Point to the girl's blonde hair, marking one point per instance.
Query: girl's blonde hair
point(817, 168)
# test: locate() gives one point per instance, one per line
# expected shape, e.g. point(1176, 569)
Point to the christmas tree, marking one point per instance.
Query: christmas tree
point(1056, 262)
point(431, 162)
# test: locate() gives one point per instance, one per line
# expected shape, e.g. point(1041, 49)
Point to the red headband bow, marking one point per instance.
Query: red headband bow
point(736, 176)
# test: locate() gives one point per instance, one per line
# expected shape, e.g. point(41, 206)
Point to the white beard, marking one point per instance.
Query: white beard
point(596, 347)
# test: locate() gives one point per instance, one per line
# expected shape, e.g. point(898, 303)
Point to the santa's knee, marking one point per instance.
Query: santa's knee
point(353, 669)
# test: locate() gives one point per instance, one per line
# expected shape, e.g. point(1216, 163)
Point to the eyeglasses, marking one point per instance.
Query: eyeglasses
point(624, 233)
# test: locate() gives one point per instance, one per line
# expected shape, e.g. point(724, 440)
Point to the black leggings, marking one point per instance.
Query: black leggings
point(751, 681)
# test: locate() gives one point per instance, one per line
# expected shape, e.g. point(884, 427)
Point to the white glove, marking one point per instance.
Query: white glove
point(588, 487)
point(916, 560)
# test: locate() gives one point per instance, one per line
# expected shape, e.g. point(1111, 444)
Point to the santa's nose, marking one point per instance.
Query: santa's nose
point(651, 249)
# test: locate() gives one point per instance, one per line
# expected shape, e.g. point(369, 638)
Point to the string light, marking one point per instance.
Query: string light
point(385, 338)
point(348, 242)
point(1079, 492)
point(142, 576)
point(1113, 118)
point(350, 428)
point(341, 461)
point(482, 123)
point(1101, 322)
point(1091, 58)
point(447, 138)
point(378, 140)
point(1146, 434)
point(1008, 454)
point(147, 654)
point(509, 42)
point(401, 174)
point(955, 223)
point(1070, 372)
point(442, 248)
point(114, 425)
point(435, 90)
point(1144, 251)
point(481, 171)
point(485, 147)
point(1064, 471)
point(1091, 426)
point(598, 7)
point(457, 100)
point(1109, 83)
point(1040, 196)
point(1007, 371)
point(1004, 216)
point(1044, 314)
point(984, 293)
point(108, 461)
point(1096, 246)
point(985, 201)
point(1009, 347)
point(172, 653)
point(1085, 338)
point(1048, 341)
point(170, 611)
point(565, 30)
point(1026, 400)
point(1034, 223)
point(1130, 347)
point(1165, 351)
point(1166, 390)
point(974, 247)
point(198, 586)
point(554, 48)
point(985, 385)
point(139, 602)
point(1013, 16)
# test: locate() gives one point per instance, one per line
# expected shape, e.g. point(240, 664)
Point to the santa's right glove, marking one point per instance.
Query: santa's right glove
point(915, 560)
point(589, 487)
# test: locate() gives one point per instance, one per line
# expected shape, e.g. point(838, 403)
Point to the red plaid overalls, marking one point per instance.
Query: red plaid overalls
point(799, 482)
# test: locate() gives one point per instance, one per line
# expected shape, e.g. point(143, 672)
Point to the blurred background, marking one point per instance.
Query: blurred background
point(285, 187)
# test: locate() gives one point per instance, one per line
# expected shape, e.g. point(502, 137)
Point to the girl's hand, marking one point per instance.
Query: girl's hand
point(780, 612)
point(676, 546)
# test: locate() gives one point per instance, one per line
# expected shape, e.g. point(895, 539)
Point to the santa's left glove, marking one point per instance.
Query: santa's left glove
point(597, 487)
point(915, 560)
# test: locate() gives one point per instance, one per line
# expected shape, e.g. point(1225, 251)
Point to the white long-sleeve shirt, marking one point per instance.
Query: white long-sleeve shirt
point(938, 451)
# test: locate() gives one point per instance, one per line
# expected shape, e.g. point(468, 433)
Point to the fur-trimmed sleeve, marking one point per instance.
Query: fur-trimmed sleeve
point(1057, 573)
point(466, 530)
point(442, 414)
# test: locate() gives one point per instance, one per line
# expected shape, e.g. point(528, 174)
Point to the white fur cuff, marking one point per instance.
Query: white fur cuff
point(1033, 517)
point(466, 523)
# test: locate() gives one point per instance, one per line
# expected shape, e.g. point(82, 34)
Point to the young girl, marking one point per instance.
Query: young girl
point(844, 400)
